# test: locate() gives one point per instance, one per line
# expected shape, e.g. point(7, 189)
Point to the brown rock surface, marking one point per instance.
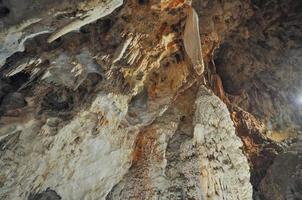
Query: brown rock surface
point(150, 99)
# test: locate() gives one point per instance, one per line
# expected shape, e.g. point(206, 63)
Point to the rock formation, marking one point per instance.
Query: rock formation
point(171, 99)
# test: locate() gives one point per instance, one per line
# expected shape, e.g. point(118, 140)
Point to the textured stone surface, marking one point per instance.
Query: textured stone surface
point(77, 157)
point(48, 194)
point(284, 177)
point(182, 162)
point(221, 159)
point(112, 99)
point(260, 65)
point(19, 25)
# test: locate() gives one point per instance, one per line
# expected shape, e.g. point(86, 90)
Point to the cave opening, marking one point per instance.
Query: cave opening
point(4, 11)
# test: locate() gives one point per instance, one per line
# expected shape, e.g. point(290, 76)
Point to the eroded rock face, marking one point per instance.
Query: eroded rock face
point(260, 65)
point(284, 180)
point(182, 160)
point(112, 99)
point(78, 156)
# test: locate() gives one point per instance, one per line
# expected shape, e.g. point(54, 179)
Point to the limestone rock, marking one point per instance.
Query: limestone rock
point(101, 10)
point(221, 158)
point(112, 99)
point(173, 163)
point(79, 158)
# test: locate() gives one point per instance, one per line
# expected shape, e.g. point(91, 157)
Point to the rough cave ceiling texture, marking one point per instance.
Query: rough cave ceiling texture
point(170, 99)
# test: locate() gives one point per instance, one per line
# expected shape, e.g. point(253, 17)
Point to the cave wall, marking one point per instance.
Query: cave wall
point(260, 66)
point(148, 99)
